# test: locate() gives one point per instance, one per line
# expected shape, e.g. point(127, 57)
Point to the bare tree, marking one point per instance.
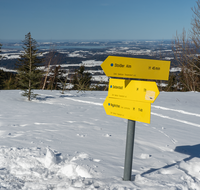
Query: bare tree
point(54, 78)
point(49, 62)
point(64, 82)
point(186, 50)
point(53, 68)
point(185, 54)
point(195, 31)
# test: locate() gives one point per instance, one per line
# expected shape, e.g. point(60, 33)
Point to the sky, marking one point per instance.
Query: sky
point(94, 19)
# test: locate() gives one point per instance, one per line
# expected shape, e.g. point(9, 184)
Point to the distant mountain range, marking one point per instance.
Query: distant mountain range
point(70, 55)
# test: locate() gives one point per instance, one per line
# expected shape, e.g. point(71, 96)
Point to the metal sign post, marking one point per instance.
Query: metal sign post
point(131, 99)
point(129, 150)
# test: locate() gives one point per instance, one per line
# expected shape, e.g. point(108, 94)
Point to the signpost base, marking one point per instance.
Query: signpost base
point(129, 150)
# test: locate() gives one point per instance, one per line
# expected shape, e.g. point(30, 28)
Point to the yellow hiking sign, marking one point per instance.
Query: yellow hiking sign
point(125, 67)
point(143, 91)
point(131, 99)
point(132, 110)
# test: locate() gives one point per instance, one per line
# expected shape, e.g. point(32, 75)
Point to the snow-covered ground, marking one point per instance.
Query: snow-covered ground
point(11, 55)
point(88, 63)
point(66, 141)
point(7, 70)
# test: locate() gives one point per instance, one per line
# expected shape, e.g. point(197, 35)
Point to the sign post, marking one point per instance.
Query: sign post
point(131, 99)
point(129, 150)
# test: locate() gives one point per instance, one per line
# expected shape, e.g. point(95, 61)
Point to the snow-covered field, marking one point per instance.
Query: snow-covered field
point(68, 142)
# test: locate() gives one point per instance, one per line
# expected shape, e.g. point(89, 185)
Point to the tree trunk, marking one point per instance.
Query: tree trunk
point(45, 79)
point(29, 88)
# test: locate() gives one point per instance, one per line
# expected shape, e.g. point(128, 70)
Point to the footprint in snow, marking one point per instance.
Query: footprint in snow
point(145, 156)
point(84, 156)
point(106, 135)
point(15, 125)
point(71, 121)
point(81, 135)
point(174, 141)
point(96, 160)
point(14, 134)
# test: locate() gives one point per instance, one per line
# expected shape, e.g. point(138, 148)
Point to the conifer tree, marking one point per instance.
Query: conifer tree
point(29, 76)
point(172, 83)
point(81, 79)
point(54, 78)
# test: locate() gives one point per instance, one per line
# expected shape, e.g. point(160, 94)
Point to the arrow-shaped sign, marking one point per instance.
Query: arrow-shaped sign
point(143, 91)
point(125, 67)
point(133, 110)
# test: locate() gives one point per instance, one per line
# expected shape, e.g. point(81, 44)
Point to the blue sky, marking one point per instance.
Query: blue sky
point(94, 19)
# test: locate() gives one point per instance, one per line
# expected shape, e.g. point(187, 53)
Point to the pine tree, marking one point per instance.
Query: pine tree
point(54, 78)
point(1, 79)
point(29, 76)
point(81, 79)
point(172, 83)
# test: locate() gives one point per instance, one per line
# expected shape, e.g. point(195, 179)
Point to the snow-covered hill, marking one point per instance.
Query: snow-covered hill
point(68, 142)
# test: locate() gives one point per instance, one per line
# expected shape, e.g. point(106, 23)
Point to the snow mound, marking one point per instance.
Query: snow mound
point(50, 158)
point(31, 168)
point(192, 168)
point(72, 170)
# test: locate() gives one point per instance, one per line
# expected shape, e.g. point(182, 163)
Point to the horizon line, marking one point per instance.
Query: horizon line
point(85, 40)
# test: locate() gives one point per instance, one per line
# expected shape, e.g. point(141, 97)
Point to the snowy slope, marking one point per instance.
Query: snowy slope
point(68, 142)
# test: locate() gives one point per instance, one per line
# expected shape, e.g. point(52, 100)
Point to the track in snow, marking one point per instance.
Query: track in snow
point(156, 114)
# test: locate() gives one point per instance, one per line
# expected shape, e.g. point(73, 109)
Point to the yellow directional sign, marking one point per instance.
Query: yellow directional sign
point(144, 91)
point(125, 67)
point(132, 110)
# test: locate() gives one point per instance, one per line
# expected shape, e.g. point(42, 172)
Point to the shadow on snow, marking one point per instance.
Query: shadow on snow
point(192, 151)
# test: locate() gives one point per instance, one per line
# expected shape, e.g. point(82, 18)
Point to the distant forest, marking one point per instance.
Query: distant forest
point(63, 59)
point(178, 81)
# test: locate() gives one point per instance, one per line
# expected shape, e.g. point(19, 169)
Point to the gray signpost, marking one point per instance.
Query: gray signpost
point(120, 104)
point(129, 150)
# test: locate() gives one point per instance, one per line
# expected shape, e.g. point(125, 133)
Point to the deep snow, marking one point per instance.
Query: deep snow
point(68, 142)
